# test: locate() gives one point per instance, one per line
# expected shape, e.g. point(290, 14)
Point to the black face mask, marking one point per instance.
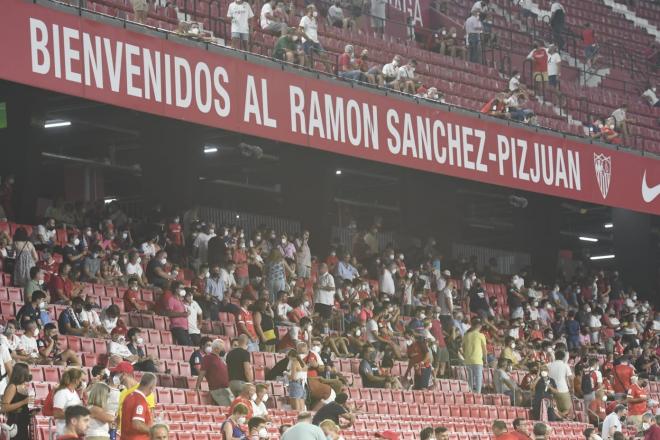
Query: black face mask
point(29, 378)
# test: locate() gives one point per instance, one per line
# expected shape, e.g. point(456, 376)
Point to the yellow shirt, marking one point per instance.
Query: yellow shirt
point(474, 348)
point(151, 400)
point(508, 353)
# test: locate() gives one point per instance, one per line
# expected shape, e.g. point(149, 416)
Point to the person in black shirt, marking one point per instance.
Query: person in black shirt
point(156, 273)
point(32, 311)
point(134, 345)
point(197, 355)
point(239, 366)
point(515, 301)
point(333, 411)
point(479, 300)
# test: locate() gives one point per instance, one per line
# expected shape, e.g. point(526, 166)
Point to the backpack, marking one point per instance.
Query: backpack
point(587, 385)
point(47, 408)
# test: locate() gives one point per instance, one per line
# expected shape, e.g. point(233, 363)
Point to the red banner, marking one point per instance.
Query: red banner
point(81, 57)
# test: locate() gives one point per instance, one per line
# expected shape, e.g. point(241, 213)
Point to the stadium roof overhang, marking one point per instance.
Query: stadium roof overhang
point(87, 57)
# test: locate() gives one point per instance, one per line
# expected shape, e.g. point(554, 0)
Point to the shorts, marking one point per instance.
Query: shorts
point(553, 80)
point(590, 51)
point(297, 390)
point(563, 401)
point(309, 46)
point(540, 76)
point(222, 396)
point(240, 36)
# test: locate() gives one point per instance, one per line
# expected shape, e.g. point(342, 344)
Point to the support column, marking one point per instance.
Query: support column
point(542, 219)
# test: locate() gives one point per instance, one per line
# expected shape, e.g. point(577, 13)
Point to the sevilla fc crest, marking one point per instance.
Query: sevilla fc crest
point(603, 167)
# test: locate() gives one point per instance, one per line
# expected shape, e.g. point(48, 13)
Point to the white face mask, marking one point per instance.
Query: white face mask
point(604, 398)
point(140, 341)
point(409, 342)
point(116, 380)
point(264, 398)
point(358, 332)
point(208, 349)
point(544, 374)
point(42, 305)
point(242, 420)
point(76, 242)
point(163, 261)
point(513, 345)
point(315, 14)
point(263, 433)
point(646, 426)
point(306, 304)
point(40, 282)
point(253, 396)
point(316, 349)
point(182, 292)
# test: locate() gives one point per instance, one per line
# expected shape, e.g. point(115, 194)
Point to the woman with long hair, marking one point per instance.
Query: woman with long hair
point(276, 272)
point(264, 324)
point(16, 399)
point(232, 428)
point(297, 381)
point(26, 257)
point(66, 395)
point(100, 418)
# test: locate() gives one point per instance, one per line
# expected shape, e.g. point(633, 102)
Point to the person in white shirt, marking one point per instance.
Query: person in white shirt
point(386, 280)
point(134, 268)
point(241, 14)
point(561, 373)
point(650, 96)
point(324, 297)
point(595, 325)
point(310, 36)
point(258, 401)
point(391, 73)
point(268, 21)
point(29, 340)
point(66, 395)
point(612, 422)
point(201, 243)
point(194, 318)
point(620, 116)
point(46, 234)
point(554, 66)
point(406, 77)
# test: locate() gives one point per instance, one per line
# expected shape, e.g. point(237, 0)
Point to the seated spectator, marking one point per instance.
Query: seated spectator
point(134, 269)
point(620, 116)
point(132, 302)
point(496, 106)
point(12, 341)
point(269, 21)
point(31, 311)
point(432, 94)
point(370, 373)
point(372, 74)
point(406, 77)
point(391, 73)
point(514, 106)
point(71, 320)
point(232, 427)
point(245, 397)
point(45, 235)
point(135, 344)
point(73, 251)
point(258, 402)
point(609, 133)
point(50, 351)
point(286, 47)
point(62, 287)
point(650, 96)
point(109, 320)
point(156, 271)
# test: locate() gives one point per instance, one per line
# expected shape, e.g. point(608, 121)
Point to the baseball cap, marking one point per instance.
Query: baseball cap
point(122, 367)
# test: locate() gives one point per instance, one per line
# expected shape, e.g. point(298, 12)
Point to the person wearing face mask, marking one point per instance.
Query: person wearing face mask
point(623, 373)
point(62, 287)
point(240, 260)
point(637, 400)
point(310, 38)
point(277, 270)
point(50, 352)
point(71, 320)
point(91, 266)
point(31, 311)
point(597, 409)
point(390, 75)
point(201, 243)
point(36, 282)
point(247, 395)
point(614, 422)
point(175, 309)
point(419, 360)
point(135, 344)
point(258, 402)
point(136, 411)
point(258, 428)
point(650, 427)
point(157, 272)
point(198, 355)
point(544, 388)
point(406, 77)
point(134, 269)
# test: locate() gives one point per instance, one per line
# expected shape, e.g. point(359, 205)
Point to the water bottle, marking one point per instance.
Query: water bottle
point(113, 433)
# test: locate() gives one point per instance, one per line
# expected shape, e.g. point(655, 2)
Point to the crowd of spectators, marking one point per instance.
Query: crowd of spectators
point(585, 344)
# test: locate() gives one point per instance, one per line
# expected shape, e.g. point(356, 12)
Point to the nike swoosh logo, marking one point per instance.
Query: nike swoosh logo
point(649, 194)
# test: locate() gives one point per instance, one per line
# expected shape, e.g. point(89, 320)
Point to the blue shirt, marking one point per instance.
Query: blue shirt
point(346, 271)
point(215, 288)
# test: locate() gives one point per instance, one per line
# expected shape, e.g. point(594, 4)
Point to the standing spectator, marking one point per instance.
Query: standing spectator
point(419, 360)
point(561, 373)
point(378, 16)
point(241, 15)
point(303, 257)
point(201, 243)
point(554, 66)
point(245, 324)
point(277, 270)
point(268, 21)
point(238, 365)
point(26, 257)
point(36, 282)
point(336, 16)
point(264, 325)
point(197, 356)
point(324, 298)
point(16, 400)
point(613, 422)
point(623, 373)
point(297, 373)
point(557, 22)
point(215, 371)
point(637, 402)
point(136, 417)
point(100, 417)
point(589, 43)
point(76, 423)
point(539, 57)
point(195, 316)
point(176, 310)
point(311, 46)
point(473, 30)
point(66, 395)
point(474, 353)
point(240, 259)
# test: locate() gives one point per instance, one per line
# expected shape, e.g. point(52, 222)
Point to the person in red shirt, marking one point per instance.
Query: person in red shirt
point(495, 107)
point(597, 409)
point(62, 289)
point(622, 374)
point(539, 57)
point(246, 324)
point(419, 360)
point(132, 301)
point(175, 309)
point(650, 427)
point(637, 402)
point(519, 429)
point(332, 261)
point(248, 394)
point(77, 420)
point(347, 64)
point(240, 259)
point(214, 369)
point(589, 43)
point(136, 418)
point(501, 431)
